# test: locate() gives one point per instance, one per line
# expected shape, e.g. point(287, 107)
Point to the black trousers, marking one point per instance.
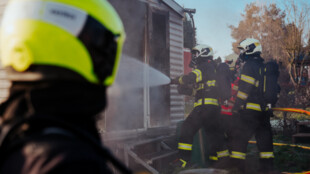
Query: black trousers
point(227, 123)
point(207, 117)
point(252, 123)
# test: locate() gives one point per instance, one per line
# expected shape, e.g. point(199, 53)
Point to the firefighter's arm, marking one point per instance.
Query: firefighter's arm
point(186, 90)
point(246, 84)
point(191, 78)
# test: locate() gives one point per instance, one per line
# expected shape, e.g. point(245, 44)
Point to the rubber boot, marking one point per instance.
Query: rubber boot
point(266, 166)
point(237, 165)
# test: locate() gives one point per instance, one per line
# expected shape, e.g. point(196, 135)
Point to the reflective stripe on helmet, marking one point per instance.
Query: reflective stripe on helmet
point(64, 16)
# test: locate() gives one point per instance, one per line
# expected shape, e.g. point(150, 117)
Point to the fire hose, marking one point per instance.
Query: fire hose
point(291, 145)
point(301, 111)
point(283, 144)
point(308, 172)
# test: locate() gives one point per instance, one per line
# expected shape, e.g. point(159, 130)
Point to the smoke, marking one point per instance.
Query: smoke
point(127, 97)
point(131, 97)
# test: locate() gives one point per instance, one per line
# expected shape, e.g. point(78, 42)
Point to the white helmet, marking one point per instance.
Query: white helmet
point(250, 46)
point(231, 60)
point(204, 50)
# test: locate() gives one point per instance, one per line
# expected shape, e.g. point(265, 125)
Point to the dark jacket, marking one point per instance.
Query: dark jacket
point(249, 95)
point(53, 153)
point(224, 80)
point(203, 80)
point(59, 133)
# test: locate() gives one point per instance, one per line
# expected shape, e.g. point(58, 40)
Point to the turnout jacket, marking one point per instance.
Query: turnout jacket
point(224, 80)
point(227, 109)
point(249, 95)
point(201, 81)
point(48, 143)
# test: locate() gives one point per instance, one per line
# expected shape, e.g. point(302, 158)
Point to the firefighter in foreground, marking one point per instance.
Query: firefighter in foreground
point(206, 107)
point(60, 55)
point(254, 119)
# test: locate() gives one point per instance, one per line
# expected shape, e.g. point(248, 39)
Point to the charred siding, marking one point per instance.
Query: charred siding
point(175, 53)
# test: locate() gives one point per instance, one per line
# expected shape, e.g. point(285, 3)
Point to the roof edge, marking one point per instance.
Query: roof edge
point(175, 6)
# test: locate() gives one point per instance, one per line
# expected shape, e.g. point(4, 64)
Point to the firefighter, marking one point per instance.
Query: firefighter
point(253, 116)
point(60, 56)
point(233, 62)
point(224, 79)
point(206, 107)
point(226, 116)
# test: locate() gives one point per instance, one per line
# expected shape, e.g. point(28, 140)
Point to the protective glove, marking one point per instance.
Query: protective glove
point(225, 103)
point(236, 109)
point(174, 81)
point(269, 110)
point(185, 90)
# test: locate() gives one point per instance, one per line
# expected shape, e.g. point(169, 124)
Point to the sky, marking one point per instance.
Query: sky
point(212, 19)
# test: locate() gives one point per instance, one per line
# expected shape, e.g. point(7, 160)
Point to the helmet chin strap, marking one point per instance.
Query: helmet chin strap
point(243, 56)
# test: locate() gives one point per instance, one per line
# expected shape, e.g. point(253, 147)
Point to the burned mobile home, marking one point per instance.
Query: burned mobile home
point(154, 35)
point(139, 124)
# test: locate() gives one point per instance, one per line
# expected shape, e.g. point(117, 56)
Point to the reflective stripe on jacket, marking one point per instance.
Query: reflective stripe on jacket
point(203, 80)
point(249, 94)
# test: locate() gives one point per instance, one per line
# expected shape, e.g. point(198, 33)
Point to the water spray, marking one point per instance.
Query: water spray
point(133, 74)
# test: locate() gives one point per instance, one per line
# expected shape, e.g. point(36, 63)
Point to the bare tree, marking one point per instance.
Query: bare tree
point(297, 36)
point(283, 34)
point(272, 31)
point(265, 23)
point(248, 27)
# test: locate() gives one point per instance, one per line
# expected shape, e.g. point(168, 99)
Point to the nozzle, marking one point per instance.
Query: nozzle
point(174, 81)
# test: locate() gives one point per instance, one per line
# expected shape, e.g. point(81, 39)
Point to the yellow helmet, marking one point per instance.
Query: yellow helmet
point(61, 39)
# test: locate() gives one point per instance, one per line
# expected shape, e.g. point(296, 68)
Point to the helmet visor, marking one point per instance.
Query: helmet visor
point(195, 54)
